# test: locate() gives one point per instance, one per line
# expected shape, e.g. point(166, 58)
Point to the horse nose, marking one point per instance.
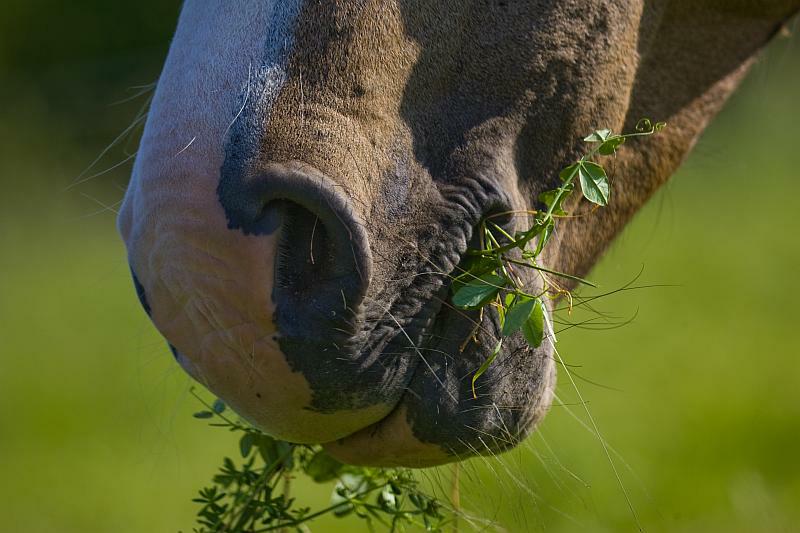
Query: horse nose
point(322, 264)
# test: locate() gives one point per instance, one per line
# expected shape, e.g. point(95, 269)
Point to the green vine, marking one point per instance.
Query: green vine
point(251, 494)
point(490, 277)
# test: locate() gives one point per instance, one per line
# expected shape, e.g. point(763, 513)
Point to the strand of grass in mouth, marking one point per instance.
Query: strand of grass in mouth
point(478, 286)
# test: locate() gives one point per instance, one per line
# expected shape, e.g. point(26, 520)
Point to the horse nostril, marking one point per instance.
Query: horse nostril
point(322, 264)
point(318, 279)
point(306, 255)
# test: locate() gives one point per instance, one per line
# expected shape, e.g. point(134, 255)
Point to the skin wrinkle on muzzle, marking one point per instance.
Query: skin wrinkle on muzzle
point(296, 255)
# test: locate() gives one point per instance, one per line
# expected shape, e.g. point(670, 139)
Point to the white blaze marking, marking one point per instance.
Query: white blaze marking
point(227, 63)
point(209, 287)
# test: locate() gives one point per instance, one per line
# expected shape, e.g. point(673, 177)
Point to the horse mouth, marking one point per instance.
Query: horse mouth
point(442, 415)
point(445, 415)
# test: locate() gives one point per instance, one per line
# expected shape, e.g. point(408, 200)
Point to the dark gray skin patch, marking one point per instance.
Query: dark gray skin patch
point(140, 294)
point(378, 359)
point(441, 409)
point(322, 270)
point(243, 144)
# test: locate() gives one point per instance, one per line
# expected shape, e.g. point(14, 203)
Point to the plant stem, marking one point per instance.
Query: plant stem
point(319, 513)
point(287, 485)
point(262, 479)
point(547, 270)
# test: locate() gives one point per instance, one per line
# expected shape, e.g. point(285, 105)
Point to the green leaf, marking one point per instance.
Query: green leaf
point(480, 265)
point(543, 238)
point(509, 299)
point(473, 268)
point(598, 136)
point(478, 292)
point(485, 366)
point(549, 198)
point(433, 510)
point(218, 406)
point(203, 414)
point(420, 501)
point(610, 146)
point(537, 226)
point(246, 443)
point(502, 309)
point(518, 312)
point(533, 328)
point(594, 183)
point(569, 172)
point(268, 448)
point(322, 467)
point(285, 451)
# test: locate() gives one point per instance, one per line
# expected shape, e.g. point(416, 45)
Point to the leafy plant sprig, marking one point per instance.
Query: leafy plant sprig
point(251, 494)
point(490, 276)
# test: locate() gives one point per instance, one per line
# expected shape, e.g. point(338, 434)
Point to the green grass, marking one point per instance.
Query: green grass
point(96, 433)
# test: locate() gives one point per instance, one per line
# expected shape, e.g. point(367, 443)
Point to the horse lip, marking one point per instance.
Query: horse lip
point(427, 317)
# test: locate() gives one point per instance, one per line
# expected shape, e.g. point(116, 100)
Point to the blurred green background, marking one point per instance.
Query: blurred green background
point(699, 396)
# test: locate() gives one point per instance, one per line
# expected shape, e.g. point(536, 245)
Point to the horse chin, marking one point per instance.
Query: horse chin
point(394, 441)
point(443, 416)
